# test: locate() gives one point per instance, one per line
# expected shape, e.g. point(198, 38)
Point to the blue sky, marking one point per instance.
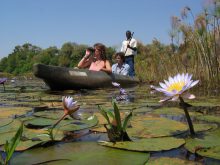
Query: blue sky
point(46, 23)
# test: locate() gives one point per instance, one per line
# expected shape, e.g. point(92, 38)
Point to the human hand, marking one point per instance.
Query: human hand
point(87, 53)
point(128, 46)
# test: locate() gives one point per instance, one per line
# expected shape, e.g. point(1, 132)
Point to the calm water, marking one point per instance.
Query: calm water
point(36, 95)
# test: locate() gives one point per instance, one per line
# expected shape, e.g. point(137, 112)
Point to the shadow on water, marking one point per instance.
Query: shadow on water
point(40, 98)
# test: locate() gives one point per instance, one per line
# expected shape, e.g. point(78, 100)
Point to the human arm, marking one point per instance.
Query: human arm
point(114, 66)
point(107, 67)
point(132, 44)
point(133, 48)
point(85, 61)
point(125, 70)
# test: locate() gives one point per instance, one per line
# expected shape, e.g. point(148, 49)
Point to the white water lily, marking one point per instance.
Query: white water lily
point(90, 118)
point(115, 84)
point(121, 90)
point(68, 102)
point(176, 86)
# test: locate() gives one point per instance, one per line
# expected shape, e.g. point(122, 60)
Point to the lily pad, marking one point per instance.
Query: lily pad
point(39, 122)
point(22, 145)
point(147, 145)
point(10, 127)
point(174, 111)
point(209, 146)
point(199, 127)
point(100, 129)
point(77, 125)
point(168, 111)
point(149, 126)
point(33, 137)
point(5, 121)
point(13, 111)
point(170, 161)
point(209, 118)
point(85, 153)
point(30, 137)
point(64, 125)
point(55, 115)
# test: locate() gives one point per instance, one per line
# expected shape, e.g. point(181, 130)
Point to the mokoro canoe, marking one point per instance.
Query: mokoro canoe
point(63, 78)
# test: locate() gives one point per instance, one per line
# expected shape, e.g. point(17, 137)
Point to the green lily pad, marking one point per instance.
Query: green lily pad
point(5, 121)
point(209, 146)
point(213, 152)
point(10, 127)
point(143, 109)
point(173, 111)
point(38, 122)
point(170, 161)
point(149, 126)
point(147, 145)
point(168, 111)
point(100, 129)
point(64, 125)
point(55, 115)
point(85, 153)
point(79, 124)
point(13, 111)
point(199, 127)
point(209, 118)
point(6, 136)
point(32, 137)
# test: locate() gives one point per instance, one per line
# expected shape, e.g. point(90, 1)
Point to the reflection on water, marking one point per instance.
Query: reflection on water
point(36, 94)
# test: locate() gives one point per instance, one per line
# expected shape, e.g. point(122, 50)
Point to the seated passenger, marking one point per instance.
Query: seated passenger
point(96, 62)
point(120, 67)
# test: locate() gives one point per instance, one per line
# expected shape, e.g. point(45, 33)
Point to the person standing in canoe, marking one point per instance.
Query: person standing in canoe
point(120, 67)
point(129, 47)
point(96, 62)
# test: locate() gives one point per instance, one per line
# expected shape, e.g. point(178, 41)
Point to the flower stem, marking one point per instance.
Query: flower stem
point(184, 105)
point(64, 115)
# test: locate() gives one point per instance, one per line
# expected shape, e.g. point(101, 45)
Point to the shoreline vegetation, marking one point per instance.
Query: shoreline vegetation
point(194, 48)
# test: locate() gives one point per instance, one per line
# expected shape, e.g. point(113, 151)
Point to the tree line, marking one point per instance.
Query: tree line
point(194, 48)
point(23, 57)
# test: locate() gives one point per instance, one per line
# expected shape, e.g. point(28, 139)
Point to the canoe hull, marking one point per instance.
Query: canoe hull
point(62, 78)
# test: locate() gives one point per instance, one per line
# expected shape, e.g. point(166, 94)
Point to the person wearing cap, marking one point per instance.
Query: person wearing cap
point(129, 47)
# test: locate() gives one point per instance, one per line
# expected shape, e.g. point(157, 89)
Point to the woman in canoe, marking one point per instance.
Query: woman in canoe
point(97, 62)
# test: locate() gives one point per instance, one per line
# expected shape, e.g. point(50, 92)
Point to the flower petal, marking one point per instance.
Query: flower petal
point(115, 84)
point(164, 86)
point(175, 86)
point(165, 99)
point(188, 96)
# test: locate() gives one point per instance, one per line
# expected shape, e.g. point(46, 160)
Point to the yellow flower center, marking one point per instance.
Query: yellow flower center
point(176, 86)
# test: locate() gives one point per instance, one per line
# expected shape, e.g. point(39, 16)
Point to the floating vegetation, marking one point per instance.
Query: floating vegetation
point(80, 153)
point(208, 145)
point(170, 161)
point(152, 128)
point(147, 145)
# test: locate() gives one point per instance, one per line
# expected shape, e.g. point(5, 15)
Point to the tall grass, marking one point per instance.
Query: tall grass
point(194, 48)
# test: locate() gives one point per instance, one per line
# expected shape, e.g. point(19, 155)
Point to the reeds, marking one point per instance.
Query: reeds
point(195, 48)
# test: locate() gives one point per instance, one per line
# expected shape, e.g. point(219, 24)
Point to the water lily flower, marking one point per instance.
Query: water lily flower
point(115, 84)
point(69, 106)
point(176, 86)
point(121, 90)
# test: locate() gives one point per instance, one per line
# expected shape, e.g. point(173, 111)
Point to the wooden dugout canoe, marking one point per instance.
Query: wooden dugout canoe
point(62, 78)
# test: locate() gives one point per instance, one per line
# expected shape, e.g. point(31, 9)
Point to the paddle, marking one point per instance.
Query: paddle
point(129, 42)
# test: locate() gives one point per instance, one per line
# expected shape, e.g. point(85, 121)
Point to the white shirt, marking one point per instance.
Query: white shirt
point(124, 70)
point(133, 43)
